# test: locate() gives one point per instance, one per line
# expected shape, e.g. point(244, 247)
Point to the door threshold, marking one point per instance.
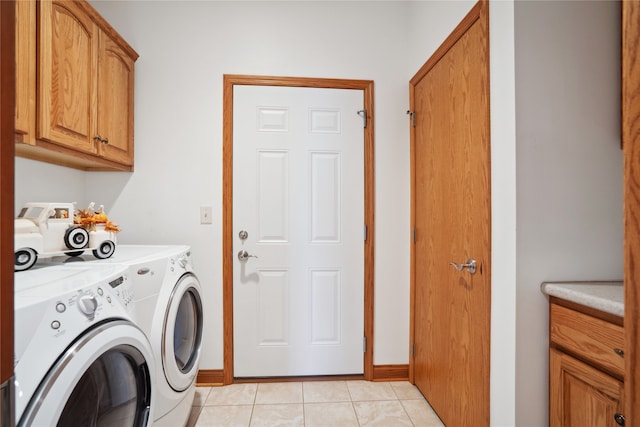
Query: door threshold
point(307, 378)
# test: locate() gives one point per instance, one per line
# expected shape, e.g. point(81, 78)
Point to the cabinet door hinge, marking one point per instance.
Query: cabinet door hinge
point(413, 350)
point(414, 234)
point(364, 344)
point(366, 232)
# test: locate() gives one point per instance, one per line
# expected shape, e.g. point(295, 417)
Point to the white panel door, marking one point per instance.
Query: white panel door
point(298, 193)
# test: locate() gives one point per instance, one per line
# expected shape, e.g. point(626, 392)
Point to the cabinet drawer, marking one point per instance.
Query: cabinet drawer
point(589, 338)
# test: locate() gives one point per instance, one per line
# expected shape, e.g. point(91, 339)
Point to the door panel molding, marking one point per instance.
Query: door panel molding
point(229, 81)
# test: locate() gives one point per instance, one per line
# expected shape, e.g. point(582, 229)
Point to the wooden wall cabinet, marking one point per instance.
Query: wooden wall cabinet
point(586, 368)
point(83, 88)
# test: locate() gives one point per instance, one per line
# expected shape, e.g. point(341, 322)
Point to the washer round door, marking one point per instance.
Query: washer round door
point(102, 379)
point(182, 333)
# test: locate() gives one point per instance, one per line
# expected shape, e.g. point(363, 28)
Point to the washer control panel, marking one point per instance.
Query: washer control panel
point(91, 302)
point(183, 260)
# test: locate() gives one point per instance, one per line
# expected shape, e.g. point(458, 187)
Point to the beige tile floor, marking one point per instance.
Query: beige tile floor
point(312, 404)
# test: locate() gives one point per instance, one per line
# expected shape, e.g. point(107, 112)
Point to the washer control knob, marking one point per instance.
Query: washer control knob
point(55, 325)
point(183, 261)
point(60, 307)
point(88, 305)
point(100, 291)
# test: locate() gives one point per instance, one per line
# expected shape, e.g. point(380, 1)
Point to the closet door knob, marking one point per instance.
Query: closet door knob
point(471, 266)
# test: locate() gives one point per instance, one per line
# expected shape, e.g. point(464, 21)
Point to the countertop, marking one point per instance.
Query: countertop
point(603, 296)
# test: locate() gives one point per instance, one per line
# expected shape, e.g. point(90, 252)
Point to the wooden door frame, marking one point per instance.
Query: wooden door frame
point(479, 11)
point(7, 159)
point(229, 81)
point(631, 147)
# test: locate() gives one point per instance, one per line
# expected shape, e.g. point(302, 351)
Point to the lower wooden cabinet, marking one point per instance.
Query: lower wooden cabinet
point(586, 369)
point(582, 396)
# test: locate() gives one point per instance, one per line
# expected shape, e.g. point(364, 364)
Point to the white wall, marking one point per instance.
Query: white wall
point(503, 215)
point(569, 168)
point(429, 24)
point(43, 182)
point(185, 47)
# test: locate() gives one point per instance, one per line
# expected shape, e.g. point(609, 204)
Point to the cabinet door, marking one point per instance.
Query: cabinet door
point(25, 121)
point(115, 102)
point(68, 55)
point(581, 396)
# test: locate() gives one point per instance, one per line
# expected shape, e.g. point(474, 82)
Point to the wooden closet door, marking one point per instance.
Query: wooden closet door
point(452, 219)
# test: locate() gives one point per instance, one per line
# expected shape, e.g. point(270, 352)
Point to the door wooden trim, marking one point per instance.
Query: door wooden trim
point(631, 146)
point(471, 17)
point(7, 147)
point(229, 81)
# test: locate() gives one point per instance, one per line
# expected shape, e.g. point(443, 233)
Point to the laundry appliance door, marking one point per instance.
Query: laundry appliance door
point(182, 333)
point(103, 379)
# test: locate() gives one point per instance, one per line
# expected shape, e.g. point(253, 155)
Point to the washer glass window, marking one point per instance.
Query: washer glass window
point(187, 333)
point(114, 391)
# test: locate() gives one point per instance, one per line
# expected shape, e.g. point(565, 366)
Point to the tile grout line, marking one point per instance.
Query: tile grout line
point(253, 405)
point(304, 414)
point(353, 406)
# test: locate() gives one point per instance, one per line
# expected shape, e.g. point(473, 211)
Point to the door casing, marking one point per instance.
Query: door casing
point(229, 81)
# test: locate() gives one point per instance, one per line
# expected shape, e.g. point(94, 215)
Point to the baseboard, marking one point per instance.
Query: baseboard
point(210, 377)
point(215, 377)
point(390, 372)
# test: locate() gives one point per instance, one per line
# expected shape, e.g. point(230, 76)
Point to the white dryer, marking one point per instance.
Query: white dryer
point(169, 310)
point(79, 357)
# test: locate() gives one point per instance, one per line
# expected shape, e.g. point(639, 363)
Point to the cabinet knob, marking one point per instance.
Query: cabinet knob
point(619, 352)
point(619, 419)
point(98, 138)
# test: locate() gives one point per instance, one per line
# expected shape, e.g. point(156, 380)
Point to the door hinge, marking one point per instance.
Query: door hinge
point(412, 115)
point(363, 114)
point(366, 232)
point(364, 344)
point(413, 350)
point(414, 234)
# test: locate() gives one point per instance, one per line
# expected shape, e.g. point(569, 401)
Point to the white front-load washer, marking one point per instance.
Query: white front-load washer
point(169, 310)
point(79, 357)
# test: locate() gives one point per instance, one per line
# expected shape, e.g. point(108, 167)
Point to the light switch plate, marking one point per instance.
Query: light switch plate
point(205, 215)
